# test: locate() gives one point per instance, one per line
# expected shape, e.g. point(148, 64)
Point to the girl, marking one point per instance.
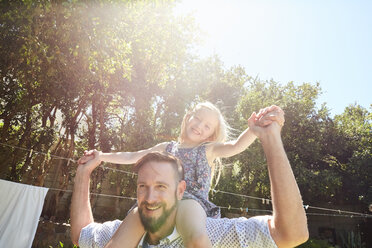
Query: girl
point(201, 143)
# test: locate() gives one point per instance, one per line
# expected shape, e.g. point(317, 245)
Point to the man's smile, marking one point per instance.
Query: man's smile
point(152, 208)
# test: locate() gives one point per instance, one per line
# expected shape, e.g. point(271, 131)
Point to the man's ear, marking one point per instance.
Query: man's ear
point(181, 189)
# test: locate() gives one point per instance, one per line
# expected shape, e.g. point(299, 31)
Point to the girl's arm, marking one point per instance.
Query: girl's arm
point(122, 157)
point(231, 148)
point(223, 150)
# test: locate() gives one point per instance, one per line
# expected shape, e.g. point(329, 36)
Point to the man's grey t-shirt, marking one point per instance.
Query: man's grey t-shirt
point(238, 232)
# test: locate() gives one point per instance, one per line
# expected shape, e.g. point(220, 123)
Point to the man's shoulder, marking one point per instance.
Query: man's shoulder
point(258, 220)
point(240, 232)
point(235, 232)
point(98, 234)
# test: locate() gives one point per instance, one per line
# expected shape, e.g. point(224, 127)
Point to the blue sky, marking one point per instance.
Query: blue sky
point(327, 41)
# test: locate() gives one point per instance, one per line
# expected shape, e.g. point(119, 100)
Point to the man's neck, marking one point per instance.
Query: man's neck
point(154, 238)
point(164, 231)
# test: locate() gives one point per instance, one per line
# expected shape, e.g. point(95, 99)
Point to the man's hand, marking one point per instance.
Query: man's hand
point(269, 114)
point(89, 161)
point(269, 120)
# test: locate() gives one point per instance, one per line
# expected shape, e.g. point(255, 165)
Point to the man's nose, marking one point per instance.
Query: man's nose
point(151, 195)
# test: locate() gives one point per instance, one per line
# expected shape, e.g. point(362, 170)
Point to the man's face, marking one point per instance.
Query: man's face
point(157, 195)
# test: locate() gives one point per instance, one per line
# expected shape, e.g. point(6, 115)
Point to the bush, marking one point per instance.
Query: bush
point(316, 243)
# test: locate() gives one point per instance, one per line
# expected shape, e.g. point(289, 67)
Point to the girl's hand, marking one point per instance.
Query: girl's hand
point(89, 155)
point(270, 114)
point(274, 128)
point(89, 162)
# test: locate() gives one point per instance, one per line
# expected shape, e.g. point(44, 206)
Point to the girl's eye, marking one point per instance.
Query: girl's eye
point(207, 127)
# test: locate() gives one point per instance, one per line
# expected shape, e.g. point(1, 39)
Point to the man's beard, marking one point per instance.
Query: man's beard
point(152, 224)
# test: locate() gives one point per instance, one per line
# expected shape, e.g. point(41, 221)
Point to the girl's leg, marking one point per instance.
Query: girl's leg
point(129, 232)
point(190, 222)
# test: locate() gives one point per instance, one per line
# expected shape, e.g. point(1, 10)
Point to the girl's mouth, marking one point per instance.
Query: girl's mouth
point(195, 131)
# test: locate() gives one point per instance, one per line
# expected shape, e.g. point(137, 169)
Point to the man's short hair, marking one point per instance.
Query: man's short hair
point(162, 157)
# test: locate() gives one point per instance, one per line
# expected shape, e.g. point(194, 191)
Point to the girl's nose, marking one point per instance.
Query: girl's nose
point(199, 125)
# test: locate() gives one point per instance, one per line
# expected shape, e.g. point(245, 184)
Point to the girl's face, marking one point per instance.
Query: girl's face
point(201, 126)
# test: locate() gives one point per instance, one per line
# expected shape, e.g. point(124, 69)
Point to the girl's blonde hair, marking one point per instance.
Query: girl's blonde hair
point(221, 134)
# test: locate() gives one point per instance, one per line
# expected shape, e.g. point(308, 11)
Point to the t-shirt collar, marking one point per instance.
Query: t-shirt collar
point(167, 240)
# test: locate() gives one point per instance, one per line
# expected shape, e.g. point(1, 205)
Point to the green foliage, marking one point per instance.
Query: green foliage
point(61, 245)
point(316, 243)
point(119, 75)
point(328, 156)
point(351, 239)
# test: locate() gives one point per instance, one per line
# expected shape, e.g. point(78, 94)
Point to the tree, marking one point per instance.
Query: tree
point(355, 124)
point(119, 75)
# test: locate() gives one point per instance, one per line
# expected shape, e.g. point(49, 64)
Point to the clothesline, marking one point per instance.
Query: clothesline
point(131, 198)
point(64, 158)
point(264, 200)
point(306, 206)
point(54, 223)
point(242, 209)
point(244, 196)
point(339, 215)
point(98, 194)
point(230, 207)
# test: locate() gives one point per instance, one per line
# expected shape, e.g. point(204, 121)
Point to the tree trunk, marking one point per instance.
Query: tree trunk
point(16, 156)
point(93, 126)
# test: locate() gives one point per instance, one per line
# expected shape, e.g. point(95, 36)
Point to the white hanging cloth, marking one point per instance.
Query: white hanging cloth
point(20, 209)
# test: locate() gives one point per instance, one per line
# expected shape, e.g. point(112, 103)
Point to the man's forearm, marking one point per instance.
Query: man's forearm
point(81, 212)
point(289, 218)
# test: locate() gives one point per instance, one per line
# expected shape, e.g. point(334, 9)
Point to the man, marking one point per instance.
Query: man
point(159, 188)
